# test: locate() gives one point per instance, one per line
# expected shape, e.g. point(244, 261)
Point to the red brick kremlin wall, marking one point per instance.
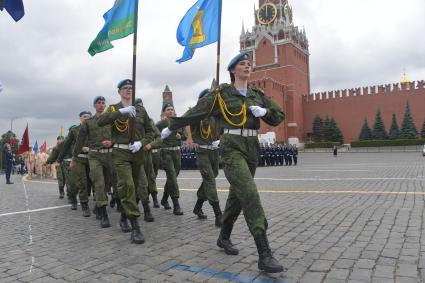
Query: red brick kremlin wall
point(350, 107)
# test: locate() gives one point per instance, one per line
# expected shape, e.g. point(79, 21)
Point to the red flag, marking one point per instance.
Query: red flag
point(25, 143)
point(43, 147)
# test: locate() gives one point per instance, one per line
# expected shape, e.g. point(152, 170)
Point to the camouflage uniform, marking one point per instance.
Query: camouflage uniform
point(151, 165)
point(82, 179)
point(59, 170)
point(65, 157)
point(207, 159)
point(171, 163)
point(240, 152)
point(127, 164)
point(100, 162)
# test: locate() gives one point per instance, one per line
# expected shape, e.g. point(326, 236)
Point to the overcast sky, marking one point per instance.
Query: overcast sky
point(48, 77)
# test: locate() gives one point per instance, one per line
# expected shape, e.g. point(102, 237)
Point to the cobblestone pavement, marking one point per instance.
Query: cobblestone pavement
point(354, 218)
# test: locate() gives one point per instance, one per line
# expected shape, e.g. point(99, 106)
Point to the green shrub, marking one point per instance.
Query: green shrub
point(377, 143)
point(321, 144)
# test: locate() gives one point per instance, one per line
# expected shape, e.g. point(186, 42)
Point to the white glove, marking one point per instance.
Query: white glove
point(215, 144)
point(165, 133)
point(135, 147)
point(258, 111)
point(130, 110)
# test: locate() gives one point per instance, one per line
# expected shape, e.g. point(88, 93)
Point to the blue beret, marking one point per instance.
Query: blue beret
point(240, 57)
point(85, 112)
point(60, 138)
point(138, 100)
point(202, 93)
point(166, 105)
point(124, 82)
point(97, 98)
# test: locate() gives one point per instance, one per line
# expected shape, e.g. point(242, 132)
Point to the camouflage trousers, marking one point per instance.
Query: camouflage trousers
point(101, 172)
point(60, 175)
point(240, 159)
point(156, 160)
point(150, 173)
point(207, 161)
point(128, 167)
point(71, 187)
point(82, 179)
point(142, 181)
point(171, 163)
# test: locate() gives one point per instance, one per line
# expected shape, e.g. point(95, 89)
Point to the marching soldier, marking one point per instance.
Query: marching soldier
point(98, 140)
point(65, 158)
point(149, 167)
point(82, 170)
point(238, 110)
point(171, 159)
point(60, 176)
point(207, 157)
point(128, 158)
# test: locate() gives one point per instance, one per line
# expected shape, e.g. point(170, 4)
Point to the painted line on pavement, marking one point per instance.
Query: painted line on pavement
point(288, 179)
point(34, 210)
point(218, 275)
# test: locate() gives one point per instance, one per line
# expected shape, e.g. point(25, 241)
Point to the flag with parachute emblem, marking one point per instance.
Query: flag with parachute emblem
point(119, 22)
point(200, 26)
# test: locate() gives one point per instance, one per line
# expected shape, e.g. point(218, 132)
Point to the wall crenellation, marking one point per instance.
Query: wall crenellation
point(261, 84)
point(368, 90)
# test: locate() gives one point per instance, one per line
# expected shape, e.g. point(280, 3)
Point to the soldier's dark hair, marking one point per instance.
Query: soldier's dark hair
point(232, 76)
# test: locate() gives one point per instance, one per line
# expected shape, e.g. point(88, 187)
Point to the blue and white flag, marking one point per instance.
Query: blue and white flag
point(199, 27)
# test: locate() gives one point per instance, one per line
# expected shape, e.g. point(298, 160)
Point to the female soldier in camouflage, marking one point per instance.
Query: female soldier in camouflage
point(237, 109)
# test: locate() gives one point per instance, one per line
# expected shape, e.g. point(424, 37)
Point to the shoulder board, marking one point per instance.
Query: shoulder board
point(224, 86)
point(257, 90)
point(73, 126)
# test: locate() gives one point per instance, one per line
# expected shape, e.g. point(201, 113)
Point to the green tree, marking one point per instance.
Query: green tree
point(365, 132)
point(394, 130)
point(423, 130)
point(378, 130)
point(336, 134)
point(327, 131)
point(317, 134)
point(408, 128)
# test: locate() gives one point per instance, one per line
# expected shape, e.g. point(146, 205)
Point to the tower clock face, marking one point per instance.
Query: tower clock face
point(267, 13)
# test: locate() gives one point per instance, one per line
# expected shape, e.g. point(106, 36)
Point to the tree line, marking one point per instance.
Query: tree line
point(378, 131)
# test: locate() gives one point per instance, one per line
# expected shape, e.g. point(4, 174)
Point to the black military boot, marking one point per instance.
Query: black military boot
point(119, 208)
point(104, 220)
point(74, 202)
point(217, 213)
point(148, 215)
point(61, 192)
point(97, 212)
point(197, 210)
point(177, 210)
point(85, 208)
point(224, 242)
point(136, 236)
point(155, 200)
point(124, 224)
point(112, 202)
point(69, 198)
point(266, 261)
point(164, 202)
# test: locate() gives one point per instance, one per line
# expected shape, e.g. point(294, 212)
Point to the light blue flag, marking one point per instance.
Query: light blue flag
point(199, 27)
point(119, 22)
point(35, 148)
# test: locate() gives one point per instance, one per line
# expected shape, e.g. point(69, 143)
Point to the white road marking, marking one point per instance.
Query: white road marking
point(29, 223)
point(34, 210)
